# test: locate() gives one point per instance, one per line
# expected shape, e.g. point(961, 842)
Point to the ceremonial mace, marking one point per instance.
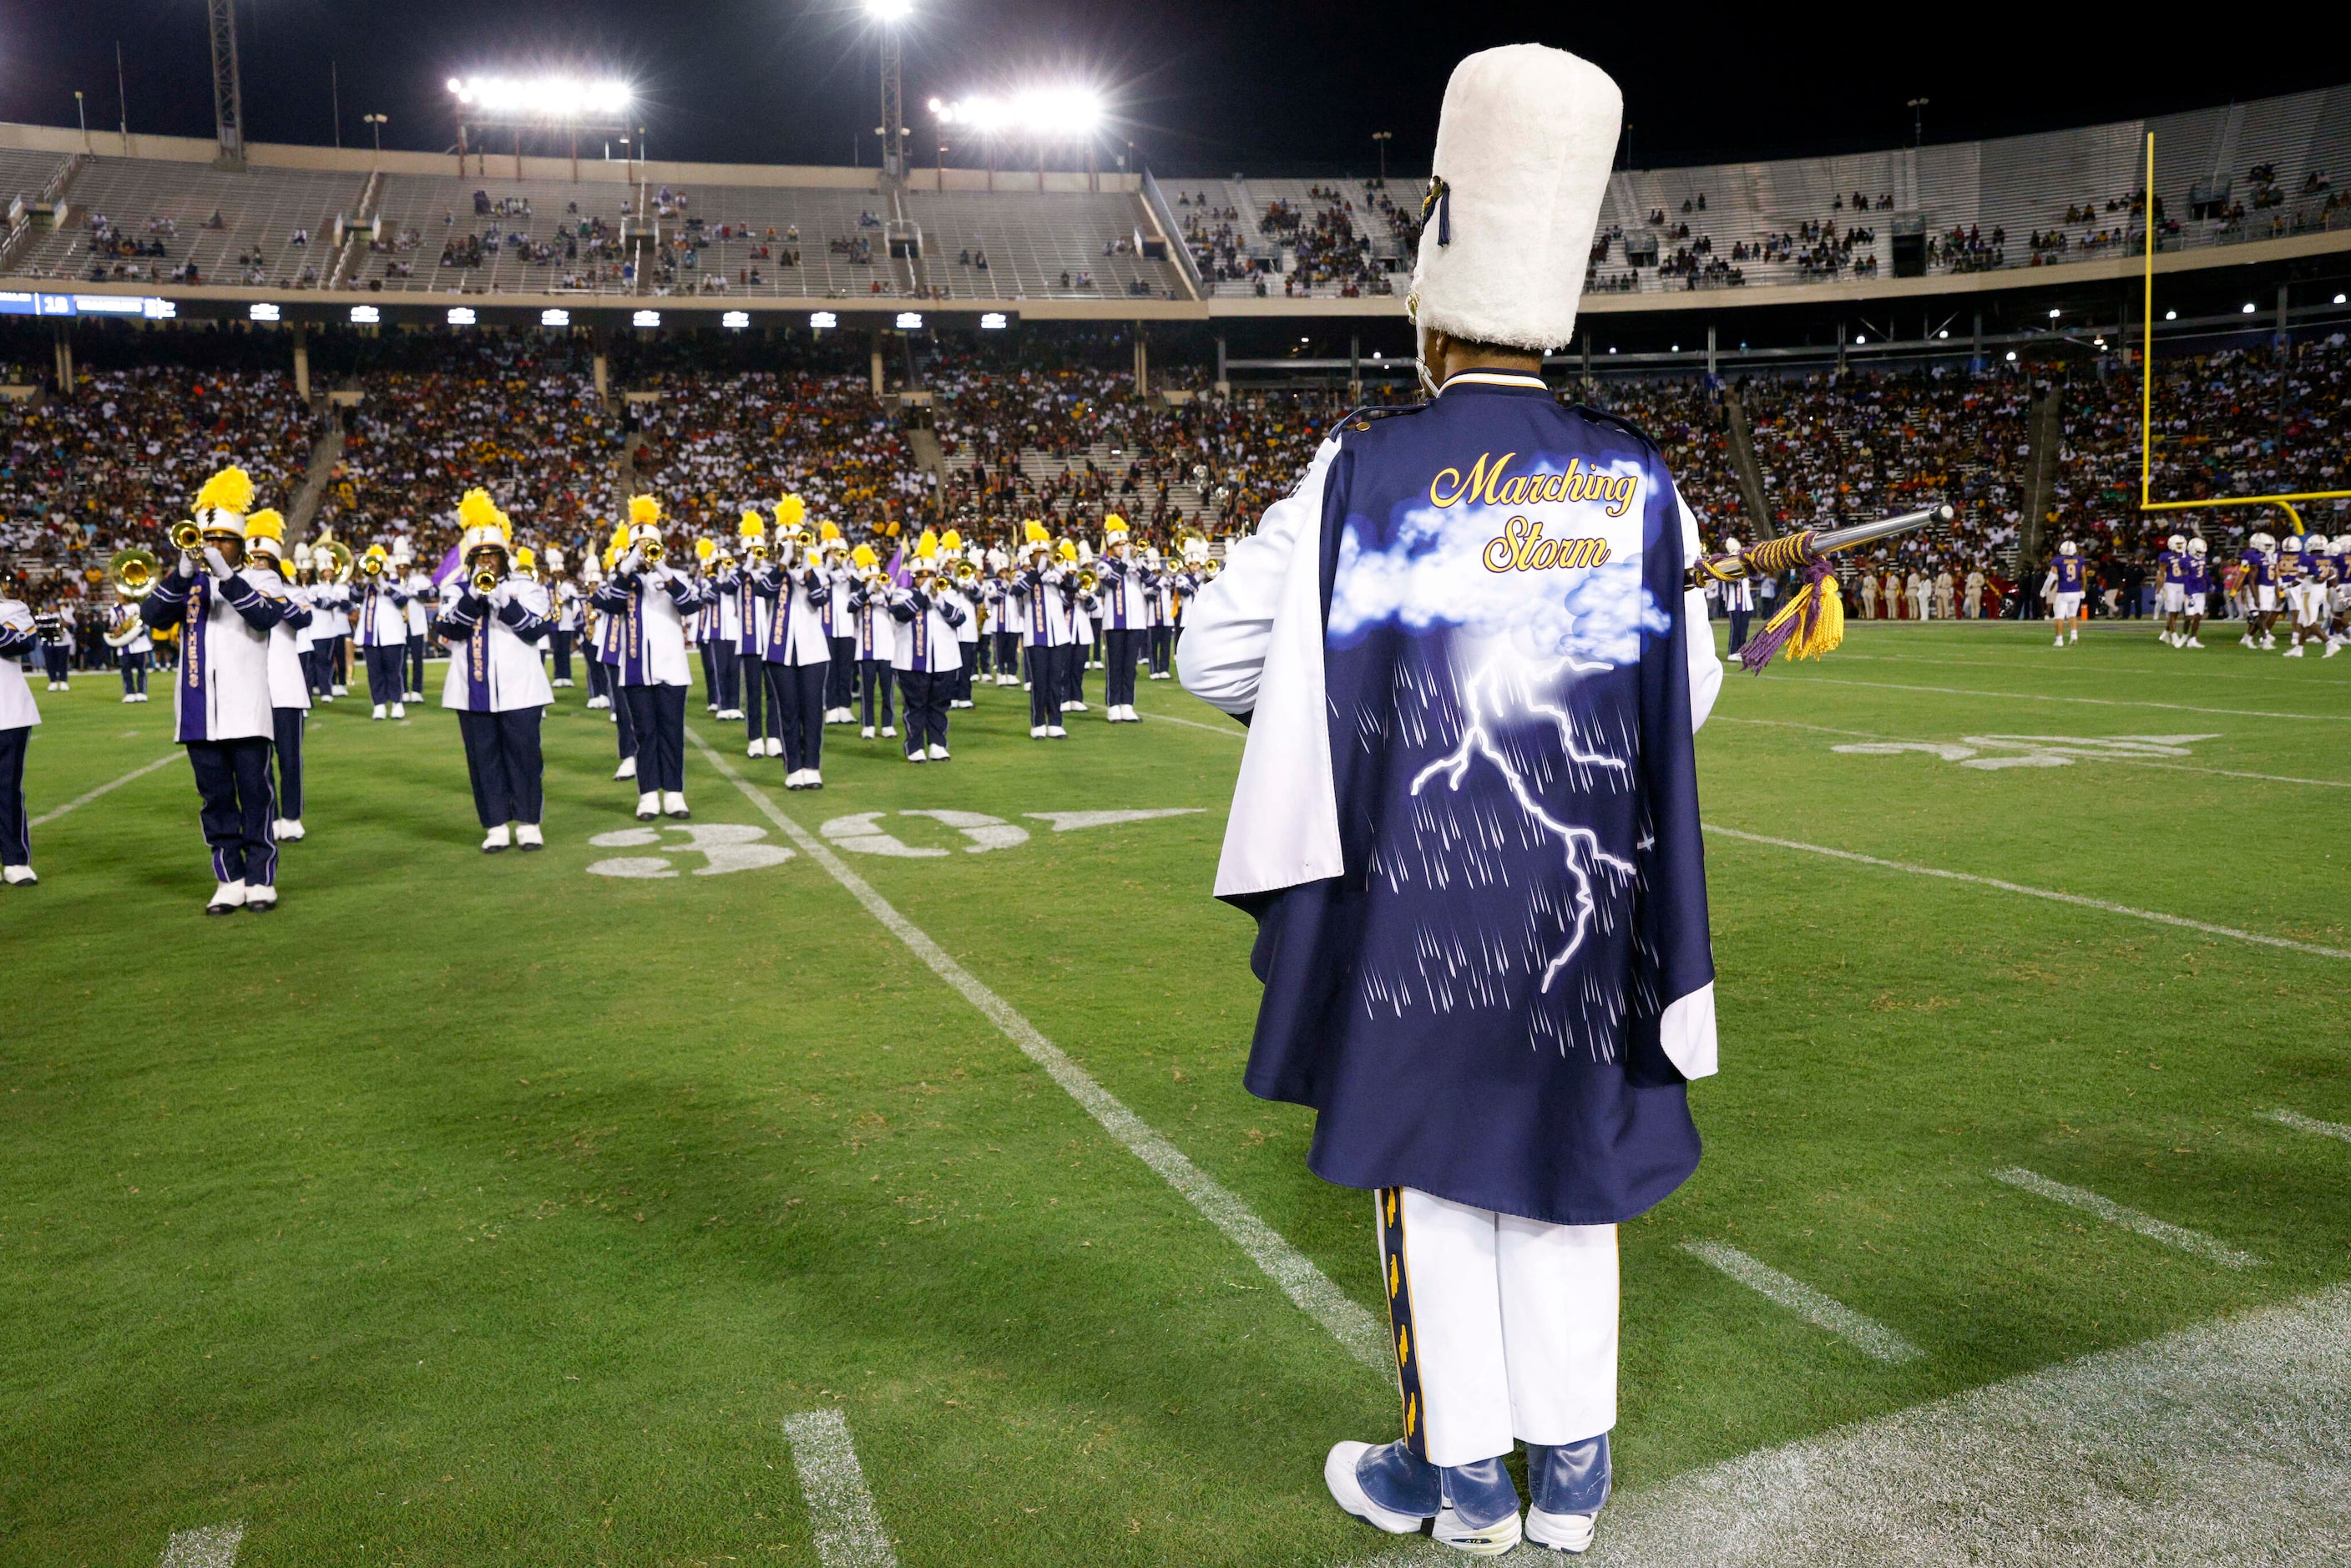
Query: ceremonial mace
point(1813, 620)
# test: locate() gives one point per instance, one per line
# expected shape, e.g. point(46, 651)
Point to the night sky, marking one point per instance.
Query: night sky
point(1267, 87)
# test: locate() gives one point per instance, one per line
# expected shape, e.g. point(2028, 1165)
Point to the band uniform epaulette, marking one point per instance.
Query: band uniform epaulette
point(1615, 421)
point(1360, 419)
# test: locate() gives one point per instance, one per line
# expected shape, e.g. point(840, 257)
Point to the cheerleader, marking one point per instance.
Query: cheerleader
point(289, 686)
point(222, 708)
point(492, 622)
point(925, 654)
point(796, 656)
point(18, 713)
point(649, 602)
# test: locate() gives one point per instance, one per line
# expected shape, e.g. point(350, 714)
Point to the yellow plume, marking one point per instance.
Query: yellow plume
point(789, 511)
point(477, 510)
point(864, 557)
point(928, 544)
point(643, 510)
point(754, 527)
point(265, 524)
point(1035, 532)
point(703, 549)
point(1113, 524)
point(619, 537)
point(951, 540)
point(525, 559)
point(826, 531)
point(229, 490)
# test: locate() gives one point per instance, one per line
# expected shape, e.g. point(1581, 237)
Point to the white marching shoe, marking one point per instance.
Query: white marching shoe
point(757, 748)
point(339, 690)
point(1036, 732)
point(527, 837)
point(627, 770)
point(916, 757)
point(792, 779)
point(889, 732)
point(648, 805)
point(866, 733)
point(812, 779)
point(379, 713)
point(1391, 1489)
point(497, 839)
point(399, 710)
point(674, 803)
point(130, 696)
point(775, 745)
point(227, 899)
point(938, 754)
point(600, 701)
point(1057, 732)
point(18, 875)
point(261, 897)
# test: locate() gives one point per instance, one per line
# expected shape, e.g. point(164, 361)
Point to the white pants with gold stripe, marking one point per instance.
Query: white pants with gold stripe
point(1504, 1328)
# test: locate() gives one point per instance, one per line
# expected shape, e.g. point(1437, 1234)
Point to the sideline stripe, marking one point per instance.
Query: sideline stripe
point(45, 817)
point(2074, 898)
point(2210, 1249)
point(1867, 1334)
point(213, 1548)
point(1355, 1328)
point(2093, 702)
point(1230, 731)
point(2077, 756)
point(841, 1515)
point(2302, 1123)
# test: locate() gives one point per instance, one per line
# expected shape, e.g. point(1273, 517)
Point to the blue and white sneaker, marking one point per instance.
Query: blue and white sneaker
point(1475, 1506)
point(1570, 1484)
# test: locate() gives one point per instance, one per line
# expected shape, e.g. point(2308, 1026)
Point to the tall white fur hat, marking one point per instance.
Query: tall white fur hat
point(1524, 146)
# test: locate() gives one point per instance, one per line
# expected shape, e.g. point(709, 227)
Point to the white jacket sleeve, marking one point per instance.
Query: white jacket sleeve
point(1705, 669)
point(1229, 624)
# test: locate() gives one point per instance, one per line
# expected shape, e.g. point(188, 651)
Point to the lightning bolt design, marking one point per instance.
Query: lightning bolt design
point(1498, 687)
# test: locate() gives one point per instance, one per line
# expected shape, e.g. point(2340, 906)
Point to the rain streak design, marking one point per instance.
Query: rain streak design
point(1484, 818)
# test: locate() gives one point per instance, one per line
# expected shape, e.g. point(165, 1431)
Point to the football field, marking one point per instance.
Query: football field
point(865, 1177)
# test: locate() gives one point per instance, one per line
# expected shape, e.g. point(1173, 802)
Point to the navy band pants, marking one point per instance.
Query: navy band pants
point(504, 762)
point(657, 714)
point(15, 823)
point(290, 722)
point(796, 696)
point(238, 809)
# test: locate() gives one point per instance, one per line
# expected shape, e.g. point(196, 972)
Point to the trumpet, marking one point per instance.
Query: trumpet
point(133, 572)
point(371, 564)
point(487, 578)
point(187, 537)
point(653, 552)
point(759, 550)
point(1087, 580)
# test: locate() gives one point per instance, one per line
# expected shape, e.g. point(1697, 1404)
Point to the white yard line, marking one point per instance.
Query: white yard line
point(2076, 756)
point(213, 1548)
point(841, 1515)
point(2302, 1123)
point(2156, 916)
point(2049, 697)
point(1364, 1336)
point(2194, 1242)
point(45, 817)
point(1867, 1334)
point(2221, 1443)
point(1232, 731)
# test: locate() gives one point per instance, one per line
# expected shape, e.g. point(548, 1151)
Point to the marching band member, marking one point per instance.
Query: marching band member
point(960, 594)
point(564, 599)
point(334, 606)
point(289, 687)
point(608, 653)
point(751, 620)
point(1127, 589)
point(723, 630)
point(221, 694)
point(56, 647)
point(1005, 618)
point(840, 618)
point(797, 654)
point(649, 600)
point(1081, 649)
point(875, 642)
point(1162, 599)
point(18, 713)
point(1510, 1111)
point(380, 624)
point(134, 650)
point(700, 627)
point(1738, 602)
point(491, 621)
point(419, 589)
point(591, 633)
point(925, 652)
point(1037, 587)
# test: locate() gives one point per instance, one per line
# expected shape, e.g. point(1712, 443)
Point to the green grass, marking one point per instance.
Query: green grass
point(476, 1210)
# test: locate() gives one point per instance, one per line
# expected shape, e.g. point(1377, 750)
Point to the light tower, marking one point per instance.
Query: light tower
point(888, 14)
point(228, 97)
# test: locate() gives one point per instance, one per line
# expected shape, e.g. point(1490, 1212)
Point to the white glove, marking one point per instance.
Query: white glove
point(187, 564)
point(500, 597)
point(216, 564)
point(632, 562)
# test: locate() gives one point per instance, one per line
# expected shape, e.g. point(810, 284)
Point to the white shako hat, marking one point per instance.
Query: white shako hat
point(1524, 145)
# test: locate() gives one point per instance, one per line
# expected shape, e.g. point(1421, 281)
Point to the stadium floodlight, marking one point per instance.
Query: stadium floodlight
point(735, 319)
point(889, 10)
point(823, 320)
point(461, 315)
point(2249, 308)
point(1858, 339)
point(910, 320)
point(645, 319)
point(1944, 333)
point(263, 310)
point(2052, 315)
point(365, 315)
point(2011, 356)
point(2340, 298)
point(2171, 315)
point(556, 317)
point(547, 99)
point(991, 321)
point(1040, 113)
